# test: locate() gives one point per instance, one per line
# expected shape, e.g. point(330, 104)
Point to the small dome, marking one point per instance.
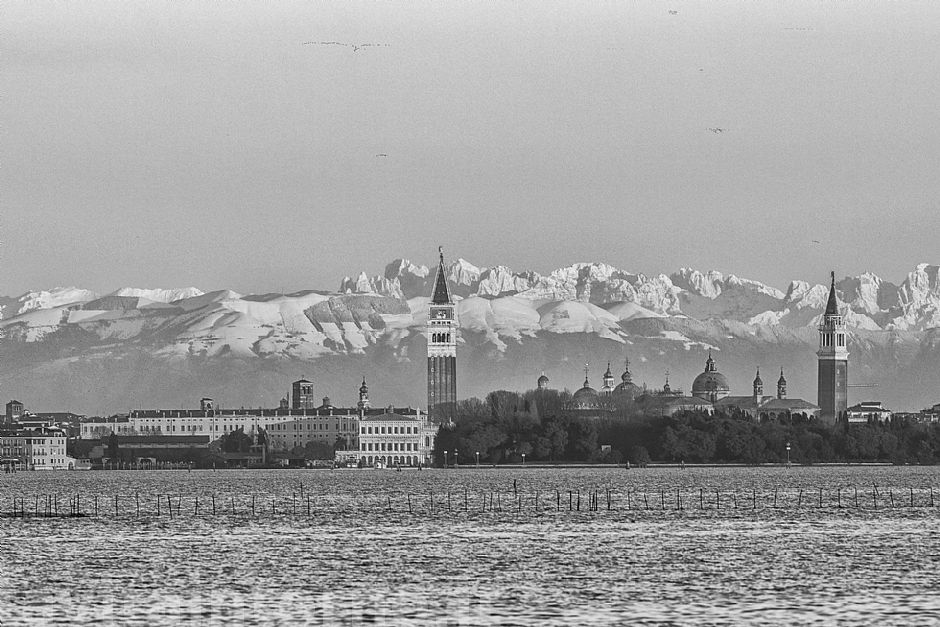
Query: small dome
point(757, 379)
point(781, 380)
point(543, 379)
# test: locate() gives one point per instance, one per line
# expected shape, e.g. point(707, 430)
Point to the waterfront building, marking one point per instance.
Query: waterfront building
point(867, 411)
point(45, 449)
point(285, 427)
point(393, 439)
point(12, 450)
point(442, 330)
point(833, 361)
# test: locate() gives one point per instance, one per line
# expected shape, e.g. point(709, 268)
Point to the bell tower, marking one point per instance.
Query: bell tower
point(833, 360)
point(442, 350)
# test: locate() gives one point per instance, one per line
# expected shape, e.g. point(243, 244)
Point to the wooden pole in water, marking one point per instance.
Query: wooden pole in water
point(448, 500)
point(931, 496)
point(136, 500)
point(662, 499)
point(754, 498)
point(608, 499)
point(233, 505)
point(579, 500)
point(701, 498)
point(820, 497)
point(856, 497)
point(839, 497)
point(169, 506)
point(799, 501)
point(115, 504)
point(196, 506)
point(96, 507)
point(717, 499)
point(678, 499)
point(252, 504)
point(891, 496)
point(432, 501)
point(912, 497)
point(734, 499)
point(158, 505)
point(536, 501)
point(646, 500)
point(213, 504)
point(874, 496)
point(308, 503)
point(775, 498)
point(409, 504)
point(273, 505)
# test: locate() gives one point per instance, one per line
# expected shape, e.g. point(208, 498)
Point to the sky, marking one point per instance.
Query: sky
point(224, 145)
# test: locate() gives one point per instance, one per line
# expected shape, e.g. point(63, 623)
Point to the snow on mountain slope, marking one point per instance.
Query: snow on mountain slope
point(158, 295)
point(56, 297)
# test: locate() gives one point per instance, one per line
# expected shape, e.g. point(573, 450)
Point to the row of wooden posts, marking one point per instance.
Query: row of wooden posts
point(493, 501)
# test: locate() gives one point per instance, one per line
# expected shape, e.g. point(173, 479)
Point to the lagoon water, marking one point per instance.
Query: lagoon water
point(693, 546)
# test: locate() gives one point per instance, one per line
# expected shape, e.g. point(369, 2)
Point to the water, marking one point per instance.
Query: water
point(361, 557)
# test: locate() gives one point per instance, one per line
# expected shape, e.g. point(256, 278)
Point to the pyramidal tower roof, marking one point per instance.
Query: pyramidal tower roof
point(441, 296)
point(832, 306)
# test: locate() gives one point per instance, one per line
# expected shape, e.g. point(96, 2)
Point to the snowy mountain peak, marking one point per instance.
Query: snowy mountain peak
point(158, 295)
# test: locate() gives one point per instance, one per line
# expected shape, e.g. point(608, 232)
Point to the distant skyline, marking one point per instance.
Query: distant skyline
point(236, 146)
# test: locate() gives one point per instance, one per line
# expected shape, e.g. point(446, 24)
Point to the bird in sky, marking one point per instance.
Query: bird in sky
point(816, 241)
point(355, 47)
point(671, 12)
point(381, 154)
point(715, 129)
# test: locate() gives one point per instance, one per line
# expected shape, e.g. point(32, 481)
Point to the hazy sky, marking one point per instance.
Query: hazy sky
point(203, 143)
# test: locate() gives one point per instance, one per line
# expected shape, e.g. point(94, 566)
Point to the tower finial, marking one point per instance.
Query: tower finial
point(440, 250)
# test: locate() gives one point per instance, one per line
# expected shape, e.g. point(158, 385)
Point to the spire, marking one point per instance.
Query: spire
point(832, 306)
point(709, 363)
point(441, 295)
point(626, 377)
point(586, 383)
point(782, 379)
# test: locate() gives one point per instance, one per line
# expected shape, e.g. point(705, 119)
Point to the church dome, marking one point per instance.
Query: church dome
point(585, 398)
point(543, 380)
point(710, 385)
point(712, 381)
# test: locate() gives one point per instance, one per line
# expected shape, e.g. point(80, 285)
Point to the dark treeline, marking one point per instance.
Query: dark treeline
point(506, 425)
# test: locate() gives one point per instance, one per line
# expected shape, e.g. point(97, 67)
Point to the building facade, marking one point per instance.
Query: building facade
point(868, 411)
point(833, 361)
point(442, 332)
point(391, 439)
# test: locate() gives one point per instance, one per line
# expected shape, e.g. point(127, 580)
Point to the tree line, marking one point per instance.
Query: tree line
point(507, 425)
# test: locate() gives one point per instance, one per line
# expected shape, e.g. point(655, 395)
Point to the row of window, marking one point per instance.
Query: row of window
point(440, 338)
point(391, 430)
point(827, 340)
point(407, 460)
point(392, 446)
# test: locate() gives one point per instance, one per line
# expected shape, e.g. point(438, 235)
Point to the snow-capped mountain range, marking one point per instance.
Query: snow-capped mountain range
point(166, 346)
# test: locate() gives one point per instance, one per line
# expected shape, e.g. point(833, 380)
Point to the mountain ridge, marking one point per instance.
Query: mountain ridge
point(512, 324)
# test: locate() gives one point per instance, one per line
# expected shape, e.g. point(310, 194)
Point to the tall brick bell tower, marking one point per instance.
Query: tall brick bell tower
point(833, 356)
point(442, 351)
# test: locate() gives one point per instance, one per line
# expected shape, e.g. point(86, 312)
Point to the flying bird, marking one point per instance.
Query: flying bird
point(381, 154)
point(715, 129)
point(671, 12)
point(355, 47)
point(816, 241)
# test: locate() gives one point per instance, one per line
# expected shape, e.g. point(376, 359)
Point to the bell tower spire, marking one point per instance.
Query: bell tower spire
point(442, 349)
point(832, 359)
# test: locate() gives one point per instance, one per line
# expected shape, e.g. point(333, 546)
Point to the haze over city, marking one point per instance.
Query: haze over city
point(278, 148)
